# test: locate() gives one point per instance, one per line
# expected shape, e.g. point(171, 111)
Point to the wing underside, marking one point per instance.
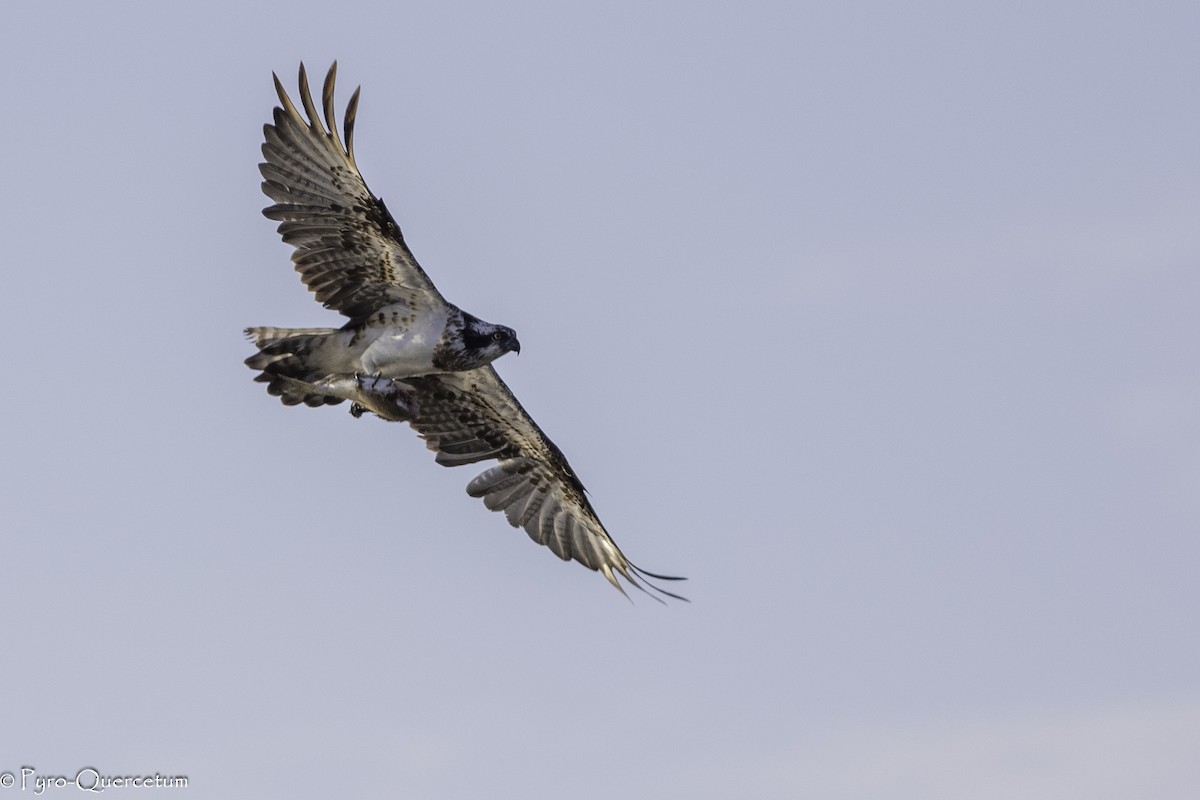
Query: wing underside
point(468, 417)
point(349, 250)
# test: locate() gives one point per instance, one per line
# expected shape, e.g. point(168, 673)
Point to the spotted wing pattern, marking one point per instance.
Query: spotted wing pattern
point(467, 417)
point(349, 250)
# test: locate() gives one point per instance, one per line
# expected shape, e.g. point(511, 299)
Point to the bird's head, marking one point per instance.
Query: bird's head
point(484, 342)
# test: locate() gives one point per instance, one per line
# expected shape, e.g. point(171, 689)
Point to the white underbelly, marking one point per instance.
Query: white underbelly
point(400, 353)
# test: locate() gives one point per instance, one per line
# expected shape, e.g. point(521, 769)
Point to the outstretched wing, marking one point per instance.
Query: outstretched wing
point(349, 250)
point(472, 416)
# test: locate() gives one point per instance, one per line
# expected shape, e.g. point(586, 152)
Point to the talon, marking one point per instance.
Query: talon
point(357, 410)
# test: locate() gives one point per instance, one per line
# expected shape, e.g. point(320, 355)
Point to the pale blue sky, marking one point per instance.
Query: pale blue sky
point(877, 321)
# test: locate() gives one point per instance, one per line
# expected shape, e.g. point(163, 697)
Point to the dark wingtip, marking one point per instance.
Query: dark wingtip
point(645, 578)
point(351, 115)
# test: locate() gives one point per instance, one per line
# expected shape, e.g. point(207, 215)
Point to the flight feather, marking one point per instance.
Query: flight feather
point(349, 250)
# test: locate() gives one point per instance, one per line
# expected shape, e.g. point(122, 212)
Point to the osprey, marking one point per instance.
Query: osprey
point(405, 353)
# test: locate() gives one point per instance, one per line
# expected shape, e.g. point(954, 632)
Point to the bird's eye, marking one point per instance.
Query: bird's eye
point(498, 336)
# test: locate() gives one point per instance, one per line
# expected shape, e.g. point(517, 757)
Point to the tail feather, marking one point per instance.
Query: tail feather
point(265, 334)
point(283, 358)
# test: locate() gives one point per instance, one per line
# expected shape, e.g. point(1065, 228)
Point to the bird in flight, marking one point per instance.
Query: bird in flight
point(405, 353)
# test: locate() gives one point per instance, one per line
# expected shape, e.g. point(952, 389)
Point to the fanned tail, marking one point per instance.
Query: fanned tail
point(284, 360)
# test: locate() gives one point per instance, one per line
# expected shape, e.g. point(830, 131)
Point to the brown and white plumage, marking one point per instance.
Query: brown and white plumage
point(472, 416)
point(405, 353)
point(349, 250)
